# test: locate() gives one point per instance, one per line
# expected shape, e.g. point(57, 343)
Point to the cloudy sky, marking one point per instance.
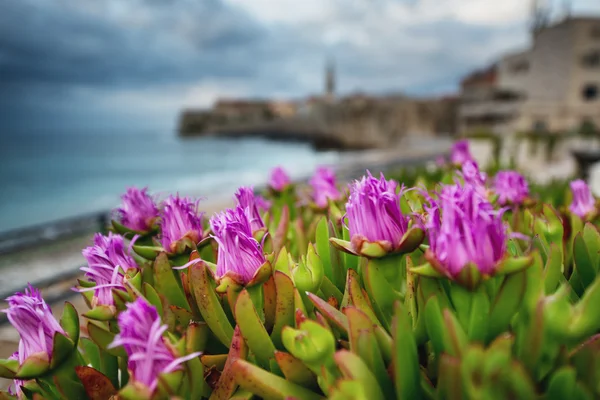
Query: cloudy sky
point(133, 64)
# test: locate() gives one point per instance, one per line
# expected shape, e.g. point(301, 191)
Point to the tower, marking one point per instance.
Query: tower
point(540, 15)
point(330, 80)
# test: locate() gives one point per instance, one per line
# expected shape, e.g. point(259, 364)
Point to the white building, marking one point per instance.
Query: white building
point(554, 85)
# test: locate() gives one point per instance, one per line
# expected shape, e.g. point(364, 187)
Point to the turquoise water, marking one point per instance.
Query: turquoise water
point(44, 178)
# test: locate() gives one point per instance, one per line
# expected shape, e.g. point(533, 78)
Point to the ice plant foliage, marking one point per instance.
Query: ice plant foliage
point(279, 179)
point(583, 203)
point(438, 298)
point(464, 229)
point(251, 203)
point(239, 256)
point(324, 187)
point(138, 211)
point(32, 318)
point(141, 335)
point(108, 260)
point(180, 219)
point(460, 152)
point(511, 187)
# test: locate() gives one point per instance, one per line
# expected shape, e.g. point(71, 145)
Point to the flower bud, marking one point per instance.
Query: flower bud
point(138, 211)
point(308, 273)
point(311, 343)
point(583, 204)
point(180, 221)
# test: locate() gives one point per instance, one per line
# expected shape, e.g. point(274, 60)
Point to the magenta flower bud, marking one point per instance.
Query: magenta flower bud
point(375, 222)
point(141, 335)
point(584, 203)
point(511, 187)
point(324, 187)
point(465, 230)
point(240, 257)
point(180, 220)
point(460, 152)
point(138, 211)
point(107, 260)
point(250, 204)
point(279, 179)
point(32, 318)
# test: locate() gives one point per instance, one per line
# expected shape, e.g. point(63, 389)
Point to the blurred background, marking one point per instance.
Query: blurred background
point(188, 95)
point(202, 96)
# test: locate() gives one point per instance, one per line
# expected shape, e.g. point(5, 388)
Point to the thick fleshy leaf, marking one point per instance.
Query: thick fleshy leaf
point(564, 385)
point(253, 330)
point(284, 309)
point(97, 385)
point(506, 303)
point(103, 338)
point(8, 368)
point(357, 297)
point(354, 368)
point(70, 322)
point(34, 366)
point(342, 245)
point(364, 343)
point(405, 358)
point(153, 297)
point(449, 379)
point(323, 247)
point(295, 371)
point(166, 284)
point(511, 265)
point(268, 385)
point(148, 252)
point(208, 303)
point(227, 384)
point(101, 313)
point(583, 261)
point(553, 271)
point(427, 270)
point(333, 315)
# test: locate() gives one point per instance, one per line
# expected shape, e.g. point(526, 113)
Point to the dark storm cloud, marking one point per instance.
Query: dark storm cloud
point(46, 43)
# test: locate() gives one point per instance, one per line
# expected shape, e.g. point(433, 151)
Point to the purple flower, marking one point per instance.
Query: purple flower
point(141, 335)
point(250, 203)
point(511, 187)
point(32, 318)
point(324, 187)
point(375, 222)
point(460, 152)
point(472, 175)
point(583, 203)
point(180, 220)
point(279, 179)
point(239, 255)
point(440, 161)
point(373, 210)
point(107, 261)
point(138, 211)
point(465, 229)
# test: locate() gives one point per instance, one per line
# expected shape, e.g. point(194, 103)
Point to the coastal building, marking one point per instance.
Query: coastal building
point(552, 86)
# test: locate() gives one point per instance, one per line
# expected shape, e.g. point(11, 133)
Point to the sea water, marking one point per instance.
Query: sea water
point(44, 178)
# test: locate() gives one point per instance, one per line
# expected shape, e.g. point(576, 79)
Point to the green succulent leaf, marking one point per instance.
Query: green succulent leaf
point(267, 385)
point(253, 330)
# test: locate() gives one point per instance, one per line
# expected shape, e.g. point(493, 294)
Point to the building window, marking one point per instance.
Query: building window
point(590, 92)
point(591, 59)
point(519, 67)
point(539, 125)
